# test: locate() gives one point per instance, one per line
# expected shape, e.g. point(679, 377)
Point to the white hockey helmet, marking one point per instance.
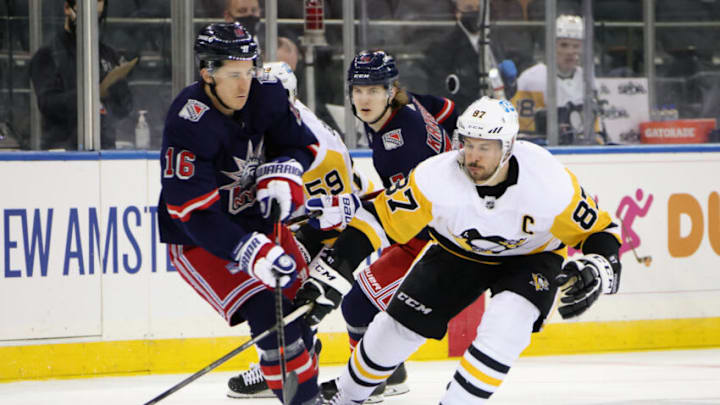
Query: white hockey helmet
point(282, 71)
point(570, 26)
point(489, 118)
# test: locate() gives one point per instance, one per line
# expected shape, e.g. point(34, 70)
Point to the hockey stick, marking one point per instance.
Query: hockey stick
point(301, 219)
point(288, 319)
point(289, 383)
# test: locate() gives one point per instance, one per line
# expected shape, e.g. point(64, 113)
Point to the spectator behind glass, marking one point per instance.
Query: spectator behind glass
point(246, 12)
point(452, 62)
point(53, 74)
point(532, 84)
point(288, 52)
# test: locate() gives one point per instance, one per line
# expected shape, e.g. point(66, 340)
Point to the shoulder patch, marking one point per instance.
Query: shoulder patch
point(193, 110)
point(393, 139)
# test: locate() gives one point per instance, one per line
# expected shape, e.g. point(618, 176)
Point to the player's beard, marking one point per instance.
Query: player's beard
point(481, 176)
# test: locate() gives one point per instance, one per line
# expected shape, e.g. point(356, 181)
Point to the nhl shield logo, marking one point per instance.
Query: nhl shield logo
point(393, 139)
point(193, 110)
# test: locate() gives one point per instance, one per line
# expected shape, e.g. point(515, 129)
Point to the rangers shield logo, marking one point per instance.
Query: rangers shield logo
point(393, 139)
point(193, 110)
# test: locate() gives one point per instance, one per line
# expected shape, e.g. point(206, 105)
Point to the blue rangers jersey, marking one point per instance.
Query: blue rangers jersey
point(441, 108)
point(208, 163)
point(410, 136)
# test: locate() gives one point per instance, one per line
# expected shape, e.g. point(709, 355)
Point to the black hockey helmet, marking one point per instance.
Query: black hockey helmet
point(372, 67)
point(225, 41)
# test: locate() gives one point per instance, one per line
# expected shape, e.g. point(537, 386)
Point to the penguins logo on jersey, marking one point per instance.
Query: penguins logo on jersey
point(242, 187)
point(473, 241)
point(540, 282)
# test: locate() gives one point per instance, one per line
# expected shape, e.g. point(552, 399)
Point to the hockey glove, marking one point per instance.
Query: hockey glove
point(265, 261)
point(282, 182)
point(586, 277)
point(336, 211)
point(325, 289)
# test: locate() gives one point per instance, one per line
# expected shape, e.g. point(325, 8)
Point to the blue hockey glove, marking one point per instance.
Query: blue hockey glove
point(265, 261)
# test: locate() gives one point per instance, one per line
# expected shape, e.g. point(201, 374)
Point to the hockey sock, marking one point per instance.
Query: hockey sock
point(358, 312)
point(298, 360)
point(502, 335)
point(385, 345)
point(260, 313)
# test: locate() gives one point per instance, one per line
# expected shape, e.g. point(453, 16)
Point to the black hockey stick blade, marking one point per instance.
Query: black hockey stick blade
point(288, 319)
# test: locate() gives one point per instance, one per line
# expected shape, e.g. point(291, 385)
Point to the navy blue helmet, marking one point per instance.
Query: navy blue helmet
point(372, 67)
point(225, 41)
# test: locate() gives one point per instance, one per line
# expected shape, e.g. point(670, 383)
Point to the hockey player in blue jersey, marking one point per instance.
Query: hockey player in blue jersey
point(403, 130)
point(331, 173)
point(232, 147)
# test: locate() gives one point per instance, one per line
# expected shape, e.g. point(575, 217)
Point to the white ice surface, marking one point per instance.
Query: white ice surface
point(686, 377)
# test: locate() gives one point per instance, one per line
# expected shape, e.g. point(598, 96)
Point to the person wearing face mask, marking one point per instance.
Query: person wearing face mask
point(54, 78)
point(452, 62)
point(246, 12)
point(531, 85)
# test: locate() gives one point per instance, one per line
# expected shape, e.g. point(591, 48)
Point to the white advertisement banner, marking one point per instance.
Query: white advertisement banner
point(81, 257)
point(624, 102)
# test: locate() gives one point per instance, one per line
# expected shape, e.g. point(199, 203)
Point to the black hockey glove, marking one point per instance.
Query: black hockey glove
point(325, 288)
point(586, 277)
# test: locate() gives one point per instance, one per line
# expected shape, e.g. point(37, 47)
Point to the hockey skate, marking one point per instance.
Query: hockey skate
point(251, 383)
point(329, 391)
point(339, 399)
point(396, 384)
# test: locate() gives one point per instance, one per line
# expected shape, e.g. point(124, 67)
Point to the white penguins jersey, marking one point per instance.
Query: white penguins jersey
point(331, 172)
point(546, 210)
point(531, 88)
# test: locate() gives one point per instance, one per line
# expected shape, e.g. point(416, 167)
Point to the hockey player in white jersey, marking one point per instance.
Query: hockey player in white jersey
point(532, 83)
point(501, 214)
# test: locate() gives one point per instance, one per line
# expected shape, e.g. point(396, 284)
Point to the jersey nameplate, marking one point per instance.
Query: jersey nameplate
point(393, 139)
point(193, 110)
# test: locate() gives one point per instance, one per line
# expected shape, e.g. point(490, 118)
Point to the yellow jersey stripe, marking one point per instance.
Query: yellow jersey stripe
point(368, 231)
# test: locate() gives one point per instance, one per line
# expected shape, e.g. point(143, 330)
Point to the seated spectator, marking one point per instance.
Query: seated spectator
point(53, 74)
point(531, 86)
